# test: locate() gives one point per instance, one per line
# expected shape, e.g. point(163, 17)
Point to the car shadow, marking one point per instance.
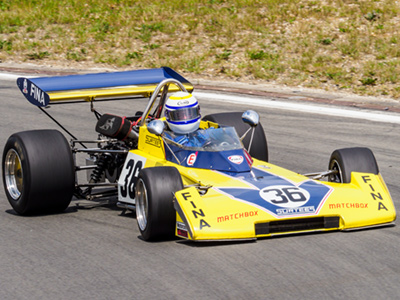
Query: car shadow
point(69, 210)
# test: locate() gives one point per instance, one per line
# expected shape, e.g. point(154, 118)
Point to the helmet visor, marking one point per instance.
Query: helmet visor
point(183, 114)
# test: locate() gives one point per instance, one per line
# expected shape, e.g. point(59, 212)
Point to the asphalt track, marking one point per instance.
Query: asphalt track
point(97, 253)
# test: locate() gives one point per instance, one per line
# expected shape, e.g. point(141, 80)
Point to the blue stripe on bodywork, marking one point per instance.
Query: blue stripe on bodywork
point(265, 181)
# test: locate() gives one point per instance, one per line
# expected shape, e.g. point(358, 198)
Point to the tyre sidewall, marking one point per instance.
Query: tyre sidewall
point(357, 159)
point(48, 171)
point(160, 183)
point(20, 205)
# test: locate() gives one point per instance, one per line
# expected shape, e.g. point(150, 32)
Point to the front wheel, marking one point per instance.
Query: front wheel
point(155, 213)
point(38, 172)
point(348, 160)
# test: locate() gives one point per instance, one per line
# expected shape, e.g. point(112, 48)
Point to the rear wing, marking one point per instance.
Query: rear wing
point(43, 91)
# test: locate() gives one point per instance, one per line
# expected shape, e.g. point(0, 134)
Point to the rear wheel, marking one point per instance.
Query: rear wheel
point(38, 172)
point(259, 147)
point(348, 160)
point(155, 213)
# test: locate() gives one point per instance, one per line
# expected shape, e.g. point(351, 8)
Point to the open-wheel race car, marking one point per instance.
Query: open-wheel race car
point(220, 188)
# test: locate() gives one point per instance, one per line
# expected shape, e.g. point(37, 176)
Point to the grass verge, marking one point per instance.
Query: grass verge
point(343, 45)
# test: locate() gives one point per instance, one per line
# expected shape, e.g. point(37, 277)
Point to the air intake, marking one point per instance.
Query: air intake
point(294, 225)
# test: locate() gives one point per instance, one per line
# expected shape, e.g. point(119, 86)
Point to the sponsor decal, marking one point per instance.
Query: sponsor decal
point(279, 196)
point(108, 124)
point(191, 159)
point(237, 216)
point(25, 88)
point(37, 94)
point(183, 102)
point(374, 193)
point(296, 210)
point(198, 213)
point(348, 205)
point(33, 93)
point(153, 141)
point(181, 229)
point(181, 225)
point(264, 167)
point(236, 159)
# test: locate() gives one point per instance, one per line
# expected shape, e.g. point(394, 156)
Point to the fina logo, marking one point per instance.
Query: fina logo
point(37, 94)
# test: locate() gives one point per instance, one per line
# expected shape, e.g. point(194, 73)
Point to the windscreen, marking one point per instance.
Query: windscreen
point(211, 139)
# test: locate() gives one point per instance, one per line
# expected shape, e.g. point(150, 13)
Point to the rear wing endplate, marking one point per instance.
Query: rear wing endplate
point(43, 91)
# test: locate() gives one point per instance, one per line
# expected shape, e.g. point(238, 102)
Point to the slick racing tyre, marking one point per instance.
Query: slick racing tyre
point(348, 160)
point(38, 172)
point(259, 148)
point(155, 213)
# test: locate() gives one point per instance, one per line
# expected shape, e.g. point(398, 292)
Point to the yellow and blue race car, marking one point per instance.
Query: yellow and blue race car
point(221, 187)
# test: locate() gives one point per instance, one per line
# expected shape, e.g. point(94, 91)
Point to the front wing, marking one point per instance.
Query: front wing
point(216, 216)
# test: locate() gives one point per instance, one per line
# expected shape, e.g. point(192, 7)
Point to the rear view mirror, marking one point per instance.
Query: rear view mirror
point(250, 117)
point(156, 127)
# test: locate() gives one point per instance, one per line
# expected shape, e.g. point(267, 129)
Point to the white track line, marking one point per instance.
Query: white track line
point(364, 114)
point(6, 76)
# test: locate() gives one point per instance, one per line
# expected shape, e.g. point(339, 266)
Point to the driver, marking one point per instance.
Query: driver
point(182, 112)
